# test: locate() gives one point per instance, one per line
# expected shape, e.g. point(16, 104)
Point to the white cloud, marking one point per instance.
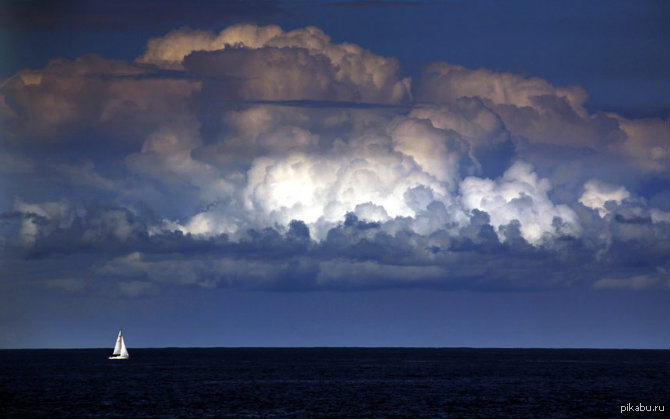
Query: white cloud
point(432, 149)
point(442, 82)
point(469, 117)
point(169, 51)
point(323, 188)
point(520, 194)
point(597, 194)
point(268, 63)
point(373, 176)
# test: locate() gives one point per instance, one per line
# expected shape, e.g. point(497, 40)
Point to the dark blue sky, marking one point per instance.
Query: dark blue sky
point(345, 173)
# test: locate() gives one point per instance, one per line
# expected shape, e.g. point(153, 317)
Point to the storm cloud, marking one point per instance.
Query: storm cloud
point(270, 159)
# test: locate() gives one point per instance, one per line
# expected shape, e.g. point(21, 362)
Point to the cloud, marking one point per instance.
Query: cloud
point(38, 218)
point(522, 196)
point(170, 50)
point(540, 113)
point(304, 64)
point(660, 279)
point(135, 254)
point(83, 174)
point(437, 152)
point(90, 100)
point(443, 82)
point(268, 159)
point(376, 177)
point(647, 142)
point(597, 194)
point(64, 93)
point(469, 117)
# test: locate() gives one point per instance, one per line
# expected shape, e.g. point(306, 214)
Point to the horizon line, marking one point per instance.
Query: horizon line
point(352, 347)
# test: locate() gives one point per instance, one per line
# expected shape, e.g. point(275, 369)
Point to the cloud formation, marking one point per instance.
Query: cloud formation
point(539, 112)
point(597, 194)
point(520, 195)
point(264, 158)
point(265, 63)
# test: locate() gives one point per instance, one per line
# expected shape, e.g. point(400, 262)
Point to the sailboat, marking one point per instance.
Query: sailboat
point(120, 350)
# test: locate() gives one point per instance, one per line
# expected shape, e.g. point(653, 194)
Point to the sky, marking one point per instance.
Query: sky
point(335, 173)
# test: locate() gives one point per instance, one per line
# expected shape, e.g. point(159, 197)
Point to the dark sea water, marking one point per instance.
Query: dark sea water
point(333, 382)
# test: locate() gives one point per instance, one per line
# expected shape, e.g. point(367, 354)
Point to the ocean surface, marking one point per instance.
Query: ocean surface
point(334, 382)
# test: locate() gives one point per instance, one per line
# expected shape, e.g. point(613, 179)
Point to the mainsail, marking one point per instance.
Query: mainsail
point(120, 350)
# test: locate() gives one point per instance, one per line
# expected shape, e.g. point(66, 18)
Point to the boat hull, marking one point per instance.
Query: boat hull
point(118, 357)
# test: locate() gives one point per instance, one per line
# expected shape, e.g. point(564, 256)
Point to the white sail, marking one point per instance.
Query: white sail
point(124, 351)
point(120, 350)
point(119, 343)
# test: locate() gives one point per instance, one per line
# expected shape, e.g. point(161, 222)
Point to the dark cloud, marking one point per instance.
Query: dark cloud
point(114, 244)
point(297, 74)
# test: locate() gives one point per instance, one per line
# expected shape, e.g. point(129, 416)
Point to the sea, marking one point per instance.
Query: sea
point(335, 383)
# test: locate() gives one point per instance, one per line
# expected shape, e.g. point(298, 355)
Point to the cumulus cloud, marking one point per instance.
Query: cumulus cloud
point(264, 158)
point(367, 176)
point(647, 142)
point(522, 196)
point(597, 194)
point(90, 100)
point(540, 113)
point(304, 64)
point(443, 82)
point(140, 254)
point(169, 51)
point(468, 116)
